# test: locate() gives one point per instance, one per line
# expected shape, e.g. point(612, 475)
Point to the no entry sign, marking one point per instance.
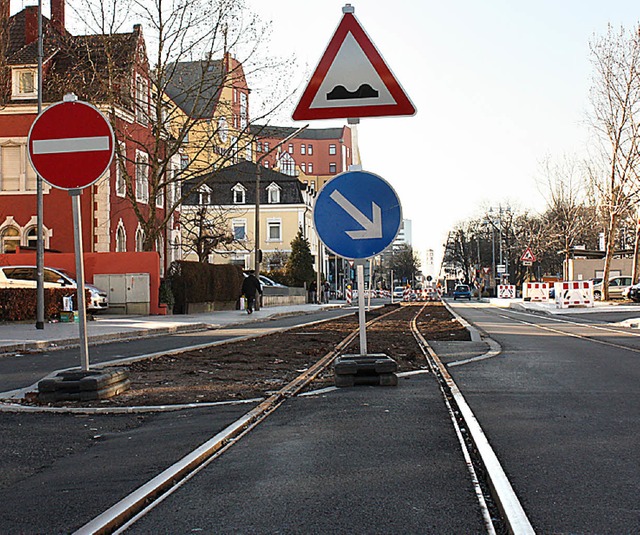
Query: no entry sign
point(71, 144)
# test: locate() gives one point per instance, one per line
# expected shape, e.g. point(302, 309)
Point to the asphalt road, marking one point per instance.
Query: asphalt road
point(562, 413)
point(358, 460)
point(19, 371)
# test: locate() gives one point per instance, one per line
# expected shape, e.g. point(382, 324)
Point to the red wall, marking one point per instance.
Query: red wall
point(99, 264)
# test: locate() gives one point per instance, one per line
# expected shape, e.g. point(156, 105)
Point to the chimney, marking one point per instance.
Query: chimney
point(57, 14)
point(30, 24)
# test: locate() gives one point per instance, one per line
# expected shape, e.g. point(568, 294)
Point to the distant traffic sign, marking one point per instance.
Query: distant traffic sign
point(357, 214)
point(352, 79)
point(528, 256)
point(71, 144)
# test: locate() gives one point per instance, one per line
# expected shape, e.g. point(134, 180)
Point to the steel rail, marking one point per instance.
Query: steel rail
point(505, 497)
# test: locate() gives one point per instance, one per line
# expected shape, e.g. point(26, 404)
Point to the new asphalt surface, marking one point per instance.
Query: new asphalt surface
point(358, 460)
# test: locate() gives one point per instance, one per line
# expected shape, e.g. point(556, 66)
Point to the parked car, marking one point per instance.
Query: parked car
point(462, 291)
point(398, 292)
point(26, 277)
point(617, 287)
point(266, 281)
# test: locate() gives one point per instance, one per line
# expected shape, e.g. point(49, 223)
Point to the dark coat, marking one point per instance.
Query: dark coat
point(251, 285)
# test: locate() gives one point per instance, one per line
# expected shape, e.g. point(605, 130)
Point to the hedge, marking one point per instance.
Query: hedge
point(20, 304)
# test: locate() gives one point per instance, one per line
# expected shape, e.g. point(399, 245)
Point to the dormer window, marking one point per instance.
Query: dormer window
point(239, 194)
point(204, 195)
point(24, 83)
point(273, 193)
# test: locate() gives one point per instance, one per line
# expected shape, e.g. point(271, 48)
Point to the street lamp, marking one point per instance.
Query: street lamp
point(257, 253)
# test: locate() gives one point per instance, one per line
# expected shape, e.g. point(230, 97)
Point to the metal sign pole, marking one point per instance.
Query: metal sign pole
point(82, 310)
point(361, 311)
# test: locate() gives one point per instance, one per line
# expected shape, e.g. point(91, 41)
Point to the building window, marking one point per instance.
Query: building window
point(332, 149)
point(310, 168)
point(239, 194)
point(139, 240)
point(274, 232)
point(160, 196)
point(121, 161)
point(239, 229)
point(287, 164)
point(121, 238)
point(303, 149)
point(290, 148)
point(266, 146)
point(25, 83)
point(266, 164)
point(142, 177)
point(204, 195)
point(32, 237)
point(142, 100)
point(248, 153)
point(259, 146)
point(16, 173)
point(332, 168)
point(303, 166)
point(273, 193)
point(310, 150)
point(9, 239)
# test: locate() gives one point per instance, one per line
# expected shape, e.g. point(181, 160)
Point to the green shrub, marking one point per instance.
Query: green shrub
point(20, 304)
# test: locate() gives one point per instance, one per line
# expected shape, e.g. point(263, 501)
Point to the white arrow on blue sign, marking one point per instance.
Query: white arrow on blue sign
point(357, 214)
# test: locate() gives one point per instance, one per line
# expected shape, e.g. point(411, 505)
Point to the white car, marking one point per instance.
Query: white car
point(398, 292)
point(26, 277)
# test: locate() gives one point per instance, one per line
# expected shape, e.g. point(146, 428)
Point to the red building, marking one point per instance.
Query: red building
point(319, 153)
point(77, 64)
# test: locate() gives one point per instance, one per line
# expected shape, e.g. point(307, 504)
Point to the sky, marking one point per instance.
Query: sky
point(499, 87)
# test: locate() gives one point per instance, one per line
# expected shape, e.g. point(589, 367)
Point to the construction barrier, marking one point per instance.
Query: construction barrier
point(348, 295)
point(574, 294)
point(536, 291)
point(506, 291)
point(406, 295)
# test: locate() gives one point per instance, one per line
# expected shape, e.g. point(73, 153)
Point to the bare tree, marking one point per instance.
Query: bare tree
point(205, 231)
point(568, 217)
point(200, 54)
point(615, 118)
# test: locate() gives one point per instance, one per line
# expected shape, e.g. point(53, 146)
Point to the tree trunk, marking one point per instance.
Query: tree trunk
point(610, 247)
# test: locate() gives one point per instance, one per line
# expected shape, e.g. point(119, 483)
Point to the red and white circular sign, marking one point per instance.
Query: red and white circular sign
point(71, 144)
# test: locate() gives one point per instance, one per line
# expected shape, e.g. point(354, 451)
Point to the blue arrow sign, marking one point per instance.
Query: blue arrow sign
point(357, 214)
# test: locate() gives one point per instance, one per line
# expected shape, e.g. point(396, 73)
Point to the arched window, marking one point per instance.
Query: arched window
point(121, 239)
point(32, 237)
point(139, 240)
point(9, 239)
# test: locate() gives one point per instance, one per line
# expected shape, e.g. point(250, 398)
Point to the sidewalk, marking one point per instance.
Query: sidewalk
point(16, 337)
point(551, 309)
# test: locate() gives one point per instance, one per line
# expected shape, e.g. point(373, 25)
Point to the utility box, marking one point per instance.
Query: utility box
point(128, 293)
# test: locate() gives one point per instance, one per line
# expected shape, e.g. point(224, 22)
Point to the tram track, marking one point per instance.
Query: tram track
point(484, 469)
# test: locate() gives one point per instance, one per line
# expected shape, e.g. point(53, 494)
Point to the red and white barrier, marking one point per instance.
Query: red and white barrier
point(406, 295)
point(506, 291)
point(536, 291)
point(348, 295)
point(574, 294)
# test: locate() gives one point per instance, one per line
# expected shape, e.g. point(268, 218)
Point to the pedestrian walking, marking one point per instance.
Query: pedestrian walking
point(313, 291)
point(250, 287)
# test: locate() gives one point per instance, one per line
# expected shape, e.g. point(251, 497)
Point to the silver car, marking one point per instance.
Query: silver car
point(617, 288)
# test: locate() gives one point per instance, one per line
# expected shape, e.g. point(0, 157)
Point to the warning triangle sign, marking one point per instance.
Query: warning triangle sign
point(527, 256)
point(352, 80)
